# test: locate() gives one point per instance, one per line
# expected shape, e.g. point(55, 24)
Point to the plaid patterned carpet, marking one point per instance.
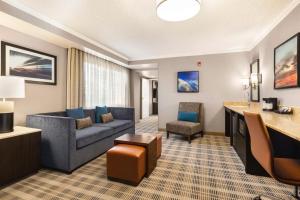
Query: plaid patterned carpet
point(206, 169)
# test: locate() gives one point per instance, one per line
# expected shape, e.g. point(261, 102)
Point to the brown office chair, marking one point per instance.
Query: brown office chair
point(284, 170)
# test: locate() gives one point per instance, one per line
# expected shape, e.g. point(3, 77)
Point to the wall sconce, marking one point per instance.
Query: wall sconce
point(246, 83)
point(255, 79)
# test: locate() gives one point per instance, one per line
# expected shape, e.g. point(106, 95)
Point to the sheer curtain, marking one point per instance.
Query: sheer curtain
point(105, 83)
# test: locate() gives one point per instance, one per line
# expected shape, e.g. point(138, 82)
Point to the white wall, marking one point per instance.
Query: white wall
point(39, 98)
point(219, 81)
point(265, 52)
point(136, 94)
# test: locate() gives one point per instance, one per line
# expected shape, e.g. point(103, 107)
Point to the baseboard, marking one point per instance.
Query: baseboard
point(205, 132)
point(214, 133)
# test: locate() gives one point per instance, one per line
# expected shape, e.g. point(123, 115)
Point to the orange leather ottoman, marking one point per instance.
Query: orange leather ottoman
point(126, 163)
point(159, 145)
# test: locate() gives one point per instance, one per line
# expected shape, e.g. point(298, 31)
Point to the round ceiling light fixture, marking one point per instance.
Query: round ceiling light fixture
point(177, 10)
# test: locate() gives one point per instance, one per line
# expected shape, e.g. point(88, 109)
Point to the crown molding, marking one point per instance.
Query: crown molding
point(275, 23)
point(251, 46)
point(56, 24)
point(207, 53)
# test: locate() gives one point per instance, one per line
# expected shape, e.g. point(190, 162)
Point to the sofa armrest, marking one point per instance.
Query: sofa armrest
point(122, 113)
point(58, 139)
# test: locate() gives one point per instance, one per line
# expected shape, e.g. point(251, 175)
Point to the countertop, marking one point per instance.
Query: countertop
point(19, 130)
point(286, 124)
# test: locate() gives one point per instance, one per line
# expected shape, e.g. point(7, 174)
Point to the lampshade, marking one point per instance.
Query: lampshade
point(245, 81)
point(177, 10)
point(255, 78)
point(12, 87)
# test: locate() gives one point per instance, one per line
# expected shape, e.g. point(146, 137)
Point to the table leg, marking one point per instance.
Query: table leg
point(151, 157)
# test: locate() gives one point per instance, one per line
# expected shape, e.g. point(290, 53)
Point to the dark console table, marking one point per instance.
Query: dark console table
point(19, 154)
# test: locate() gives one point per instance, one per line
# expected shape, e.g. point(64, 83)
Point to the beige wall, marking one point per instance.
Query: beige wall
point(39, 98)
point(219, 81)
point(136, 94)
point(265, 52)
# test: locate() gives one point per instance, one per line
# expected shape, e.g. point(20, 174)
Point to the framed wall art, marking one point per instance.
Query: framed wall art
point(34, 66)
point(188, 81)
point(286, 64)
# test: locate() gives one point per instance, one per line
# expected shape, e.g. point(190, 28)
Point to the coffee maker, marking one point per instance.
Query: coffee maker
point(270, 104)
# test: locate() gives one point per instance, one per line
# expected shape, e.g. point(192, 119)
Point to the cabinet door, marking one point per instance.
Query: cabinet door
point(19, 157)
point(241, 147)
point(234, 128)
point(9, 150)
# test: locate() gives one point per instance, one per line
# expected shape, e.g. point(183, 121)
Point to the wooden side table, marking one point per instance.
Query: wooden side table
point(19, 154)
point(146, 140)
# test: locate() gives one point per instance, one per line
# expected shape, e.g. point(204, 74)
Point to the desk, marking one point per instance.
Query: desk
point(284, 132)
point(288, 125)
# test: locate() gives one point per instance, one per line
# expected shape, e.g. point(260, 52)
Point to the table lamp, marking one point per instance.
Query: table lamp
point(10, 87)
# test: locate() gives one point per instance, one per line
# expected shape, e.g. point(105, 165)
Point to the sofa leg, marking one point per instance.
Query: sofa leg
point(296, 195)
point(202, 133)
point(168, 134)
point(189, 139)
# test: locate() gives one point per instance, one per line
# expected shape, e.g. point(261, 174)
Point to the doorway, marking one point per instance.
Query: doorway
point(145, 93)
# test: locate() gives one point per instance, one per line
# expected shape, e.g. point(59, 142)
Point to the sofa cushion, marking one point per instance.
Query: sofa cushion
point(90, 135)
point(107, 118)
point(90, 113)
point(76, 113)
point(83, 123)
point(117, 125)
point(100, 111)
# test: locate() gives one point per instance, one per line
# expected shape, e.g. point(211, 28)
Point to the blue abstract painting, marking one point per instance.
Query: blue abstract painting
point(188, 81)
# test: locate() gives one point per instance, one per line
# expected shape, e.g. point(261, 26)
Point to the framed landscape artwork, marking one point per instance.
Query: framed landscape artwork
point(286, 64)
point(254, 89)
point(188, 81)
point(33, 66)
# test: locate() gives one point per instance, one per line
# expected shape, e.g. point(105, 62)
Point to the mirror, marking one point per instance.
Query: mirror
point(254, 85)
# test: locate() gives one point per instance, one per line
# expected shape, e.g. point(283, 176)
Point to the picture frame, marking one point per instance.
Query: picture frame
point(254, 90)
point(34, 66)
point(188, 82)
point(287, 63)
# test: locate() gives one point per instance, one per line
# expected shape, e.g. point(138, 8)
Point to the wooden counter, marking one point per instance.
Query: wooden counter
point(286, 124)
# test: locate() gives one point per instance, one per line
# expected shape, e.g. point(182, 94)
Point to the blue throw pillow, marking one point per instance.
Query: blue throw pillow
point(188, 116)
point(100, 111)
point(76, 113)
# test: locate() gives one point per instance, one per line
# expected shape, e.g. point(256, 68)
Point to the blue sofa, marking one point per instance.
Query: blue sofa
point(65, 148)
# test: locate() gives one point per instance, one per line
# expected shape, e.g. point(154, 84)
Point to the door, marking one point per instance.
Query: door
point(145, 98)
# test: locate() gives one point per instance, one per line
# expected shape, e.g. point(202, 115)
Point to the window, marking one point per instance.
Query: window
point(105, 83)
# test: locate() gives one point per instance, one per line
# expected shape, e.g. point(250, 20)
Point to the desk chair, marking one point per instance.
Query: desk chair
point(284, 170)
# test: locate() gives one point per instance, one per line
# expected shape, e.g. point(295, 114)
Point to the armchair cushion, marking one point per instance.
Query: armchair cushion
point(87, 136)
point(188, 116)
point(183, 127)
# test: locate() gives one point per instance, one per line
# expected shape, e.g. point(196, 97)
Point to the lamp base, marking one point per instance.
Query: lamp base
point(6, 122)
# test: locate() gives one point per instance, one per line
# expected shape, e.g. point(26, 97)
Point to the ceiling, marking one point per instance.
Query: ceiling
point(131, 27)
